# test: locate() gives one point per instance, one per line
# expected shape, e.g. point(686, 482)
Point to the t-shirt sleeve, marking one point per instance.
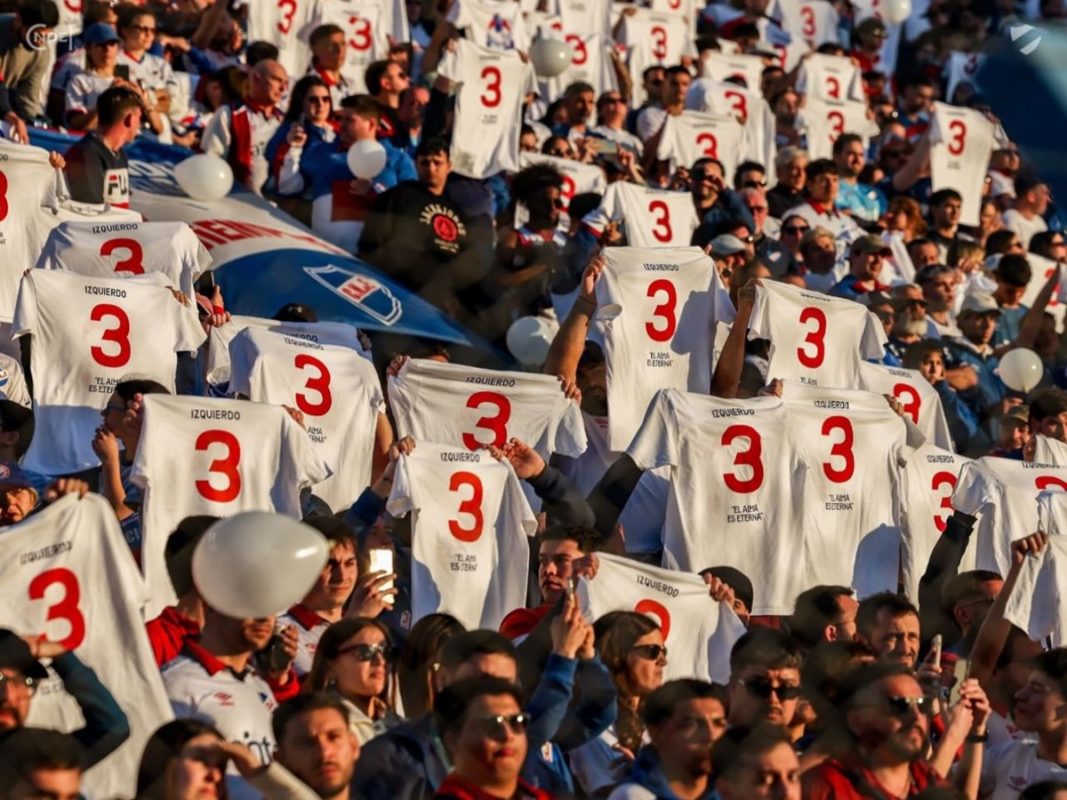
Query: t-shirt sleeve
point(656, 442)
point(241, 358)
point(190, 334)
point(25, 319)
point(74, 99)
point(872, 344)
point(972, 490)
point(519, 512)
point(569, 431)
point(310, 468)
point(1034, 603)
point(216, 138)
point(140, 475)
point(400, 500)
point(759, 323)
point(402, 391)
point(449, 65)
point(668, 145)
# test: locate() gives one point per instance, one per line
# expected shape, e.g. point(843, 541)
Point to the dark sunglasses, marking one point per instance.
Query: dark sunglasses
point(902, 706)
point(142, 29)
point(498, 727)
point(652, 652)
point(754, 184)
point(611, 100)
point(701, 175)
point(366, 652)
point(796, 230)
point(318, 99)
point(559, 202)
point(764, 687)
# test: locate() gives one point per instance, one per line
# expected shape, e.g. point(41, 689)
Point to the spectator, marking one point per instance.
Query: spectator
point(859, 200)
point(419, 660)
point(24, 57)
point(1012, 275)
point(966, 599)
point(977, 321)
point(307, 122)
point(824, 614)
point(149, 72)
point(820, 207)
point(671, 101)
point(386, 82)
point(749, 175)
point(939, 292)
point(945, 207)
point(757, 763)
point(738, 585)
point(791, 165)
point(764, 679)
point(1026, 216)
point(819, 254)
point(768, 249)
point(315, 743)
point(97, 168)
point(579, 103)
point(1013, 433)
point(610, 122)
point(1050, 245)
point(714, 203)
point(329, 49)
point(928, 356)
point(38, 762)
point(866, 261)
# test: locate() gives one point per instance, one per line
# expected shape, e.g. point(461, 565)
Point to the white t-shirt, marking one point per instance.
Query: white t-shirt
point(1010, 767)
point(918, 399)
point(816, 339)
point(469, 550)
point(656, 310)
point(750, 109)
point(66, 572)
point(961, 141)
point(1038, 603)
point(652, 38)
point(123, 249)
point(578, 178)
point(1025, 228)
point(737, 486)
point(285, 25)
point(827, 77)
point(722, 66)
point(493, 84)
point(813, 22)
point(1050, 451)
point(1041, 269)
point(699, 632)
point(824, 120)
point(89, 334)
point(337, 390)
point(960, 68)
point(693, 135)
point(200, 455)
point(309, 629)
point(491, 23)
point(652, 217)
point(366, 27)
point(853, 445)
point(13, 382)
point(470, 407)
point(151, 72)
point(84, 90)
point(1006, 492)
point(585, 16)
point(930, 477)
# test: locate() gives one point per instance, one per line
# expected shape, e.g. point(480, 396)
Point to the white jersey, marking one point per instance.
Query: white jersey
point(309, 629)
point(1025, 228)
point(200, 455)
point(918, 399)
point(930, 477)
point(737, 483)
point(652, 38)
point(336, 389)
point(652, 217)
point(488, 112)
point(89, 334)
point(590, 62)
point(366, 27)
point(699, 632)
point(578, 178)
point(218, 343)
point(827, 77)
point(816, 339)
point(1050, 451)
point(722, 67)
point(585, 16)
point(961, 142)
point(469, 533)
point(853, 444)
point(67, 574)
point(1038, 603)
point(693, 135)
point(1006, 492)
point(497, 24)
point(124, 249)
point(1010, 767)
point(286, 25)
point(960, 68)
point(470, 407)
point(824, 120)
point(749, 108)
point(813, 22)
point(13, 381)
point(656, 309)
point(1041, 269)
point(240, 706)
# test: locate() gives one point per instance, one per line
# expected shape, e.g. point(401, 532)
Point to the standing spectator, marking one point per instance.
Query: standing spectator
point(824, 614)
point(671, 96)
point(24, 58)
point(928, 356)
point(945, 206)
point(1026, 215)
point(866, 257)
point(820, 207)
point(768, 249)
point(41, 763)
point(861, 201)
point(1012, 275)
point(101, 55)
point(611, 121)
point(978, 320)
point(329, 48)
point(756, 764)
point(818, 250)
point(579, 100)
point(386, 82)
point(97, 169)
point(939, 292)
point(791, 164)
point(314, 743)
point(764, 679)
point(240, 135)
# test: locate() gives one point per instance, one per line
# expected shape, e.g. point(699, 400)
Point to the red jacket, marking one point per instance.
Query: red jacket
point(458, 789)
point(851, 780)
point(168, 633)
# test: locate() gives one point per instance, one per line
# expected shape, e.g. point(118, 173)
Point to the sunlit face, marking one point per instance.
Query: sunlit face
point(336, 580)
point(199, 770)
point(689, 733)
point(15, 695)
point(774, 775)
point(1040, 705)
point(895, 638)
point(764, 695)
point(320, 750)
point(555, 561)
point(645, 664)
point(488, 750)
point(881, 717)
point(361, 668)
point(933, 367)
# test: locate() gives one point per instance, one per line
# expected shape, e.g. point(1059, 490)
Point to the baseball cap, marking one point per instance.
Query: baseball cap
point(15, 654)
point(1020, 413)
point(726, 244)
point(870, 244)
point(100, 33)
point(979, 303)
point(11, 474)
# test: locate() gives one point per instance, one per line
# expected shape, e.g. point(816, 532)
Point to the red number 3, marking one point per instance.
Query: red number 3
point(120, 335)
point(664, 311)
point(657, 610)
point(491, 96)
point(67, 606)
point(497, 425)
point(958, 140)
point(320, 385)
point(816, 338)
point(751, 458)
point(226, 466)
point(133, 263)
point(288, 9)
point(662, 231)
point(472, 506)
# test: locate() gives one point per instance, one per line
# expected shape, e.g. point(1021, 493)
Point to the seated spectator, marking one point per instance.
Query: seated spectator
point(764, 679)
point(865, 262)
point(315, 744)
point(791, 165)
point(1012, 276)
point(977, 321)
point(101, 59)
point(824, 614)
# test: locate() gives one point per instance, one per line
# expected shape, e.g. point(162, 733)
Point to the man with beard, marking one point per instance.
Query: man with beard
point(764, 679)
point(315, 743)
point(683, 718)
point(886, 718)
point(756, 765)
point(861, 201)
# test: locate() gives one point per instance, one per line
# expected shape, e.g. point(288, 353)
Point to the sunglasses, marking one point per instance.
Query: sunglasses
point(763, 688)
point(651, 652)
point(796, 230)
point(902, 706)
point(700, 175)
point(19, 682)
point(366, 652)
point(611, 100)
point(754, 184)
point(142, 29)
point(498, 727)
point(318, 99)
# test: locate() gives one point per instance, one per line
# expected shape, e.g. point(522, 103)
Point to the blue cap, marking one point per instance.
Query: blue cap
point(11, 474)
point(100, 33)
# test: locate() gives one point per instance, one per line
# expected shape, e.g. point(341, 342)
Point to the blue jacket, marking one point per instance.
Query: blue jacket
point(646, 772)
point(963, 425)
point(990, 389)
point(325, 163)
point(277, 147)
point(106, 727)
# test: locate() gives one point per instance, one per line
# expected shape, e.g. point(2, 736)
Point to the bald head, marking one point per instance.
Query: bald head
point(267, 82)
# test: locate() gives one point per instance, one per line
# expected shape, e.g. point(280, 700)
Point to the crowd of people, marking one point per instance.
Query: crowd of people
point(769, 507)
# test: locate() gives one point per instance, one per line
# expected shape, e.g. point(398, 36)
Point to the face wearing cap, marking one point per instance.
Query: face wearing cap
point(726, 244)
point(100, 33)
point(869, 245)
point(17, 495)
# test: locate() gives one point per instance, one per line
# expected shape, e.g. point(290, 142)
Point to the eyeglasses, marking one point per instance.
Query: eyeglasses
point(317, 98)
point(762, 184)
point(559, 153)
point(366, 652)
point(19, 682)
point(764, 687)
point(142, 29)
point(796, 230)
point(651, 652)
point(498, 727)
point(902, 706)
point(701, 175)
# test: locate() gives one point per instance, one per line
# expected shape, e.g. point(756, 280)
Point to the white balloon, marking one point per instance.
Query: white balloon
point(366, 158)
point(896, 10)
point(550, 57)
point(204, 177)
point(529, 338)
point(256, 564)
point(1021, 369)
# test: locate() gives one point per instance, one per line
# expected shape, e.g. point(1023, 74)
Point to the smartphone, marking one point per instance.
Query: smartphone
point(122, 71)
point(381, 560)
point(570, 588)
point(935, 646)
point(604, 147)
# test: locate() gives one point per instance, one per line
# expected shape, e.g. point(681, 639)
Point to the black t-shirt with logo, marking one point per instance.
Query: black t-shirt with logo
point(96, 174)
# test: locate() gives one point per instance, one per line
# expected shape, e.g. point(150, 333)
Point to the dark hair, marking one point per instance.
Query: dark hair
point(843, 141)
point(299, 96)
point(896, 604)
point(764, 648)
point(419, 659)
point(114, 104)
point(1014, 270)
point(335, 529)
point(296, 312)
point(433, 146)
point(374, 74)
point(1041, 242)
point(703, 162)
point(481, 642)
point(260, 51)
point(129, 387)
point(576, 88)
point(1043, 790)
point(998, 241)
point(677, 69)
point(660, 705)
point(161, 749)
point(127, 13)
point(915, 352)
point(729, 752)
point(1025, 182)
point(942, 196)
point(733, 577)
point(585, 538)
point(869, 674)
point(1046, 403)
point(179, 550)
point(333, 639)
point(305, 704)
point(25, 750)
point(615, 634)
point(34, 13)
point(1054, 664)
point(324, 32)
point(649, 70)
point(533, 180)
point(747, 166)
point(964, 587)
point(364, 105)
point(451, 705)
point(820, 166)
point(816, 608)
point(825, 673)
